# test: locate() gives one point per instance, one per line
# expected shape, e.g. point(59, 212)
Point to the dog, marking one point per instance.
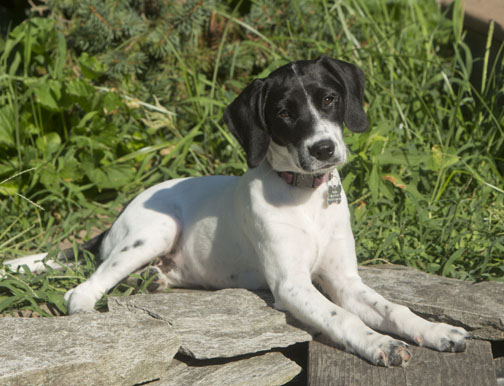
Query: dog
point(284, 225)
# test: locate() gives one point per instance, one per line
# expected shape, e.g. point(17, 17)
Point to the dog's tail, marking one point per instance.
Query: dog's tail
point(37, 264)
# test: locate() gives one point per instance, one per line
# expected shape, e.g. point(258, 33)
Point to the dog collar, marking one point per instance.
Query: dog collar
point(307, 181)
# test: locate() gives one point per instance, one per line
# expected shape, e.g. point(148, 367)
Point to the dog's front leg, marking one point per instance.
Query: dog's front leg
point(340, 280)
point(293, 291)
point(383, 315)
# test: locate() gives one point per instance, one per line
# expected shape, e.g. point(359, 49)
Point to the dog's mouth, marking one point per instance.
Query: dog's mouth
point(297, 159)
point(310, 165)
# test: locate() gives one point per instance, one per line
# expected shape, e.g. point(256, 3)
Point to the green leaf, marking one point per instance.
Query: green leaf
point(69, 168)
point(48, 93)
point(48, 143)
point(15, 64)
point(79, 88)
point(7, 126)
point(111, 176)
point(447, 268)
point(86, 118)
point(439, 160)
point(8, 188)
point(402, 158)
point(61, 57)
point(49, 177)
point(374, 182)
point(112, 102)
point(91, 67)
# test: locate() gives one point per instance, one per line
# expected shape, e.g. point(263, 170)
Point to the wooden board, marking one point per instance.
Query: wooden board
point(330, 366)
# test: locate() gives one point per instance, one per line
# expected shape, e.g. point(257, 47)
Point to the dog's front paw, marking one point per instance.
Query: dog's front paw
point(443, 337)
point(392, 353)
point(79, 300)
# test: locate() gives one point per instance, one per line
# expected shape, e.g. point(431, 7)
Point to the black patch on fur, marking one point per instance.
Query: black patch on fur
point(334, 313)
point(245, 119)
point(138, 243)
point(125, 249)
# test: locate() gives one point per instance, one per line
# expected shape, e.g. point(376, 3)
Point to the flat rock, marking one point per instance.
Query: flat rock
point(330, 366)
point(499, 368)
point(479, 13)
point(478, 307)
point(269, 369)
point(87, 349)
point(218, 324)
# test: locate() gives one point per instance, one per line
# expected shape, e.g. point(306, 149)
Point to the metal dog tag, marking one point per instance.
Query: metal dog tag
point(334, 194)
point(334, 189)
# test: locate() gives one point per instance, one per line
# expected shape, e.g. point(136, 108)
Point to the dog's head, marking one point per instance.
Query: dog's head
point(295, 116)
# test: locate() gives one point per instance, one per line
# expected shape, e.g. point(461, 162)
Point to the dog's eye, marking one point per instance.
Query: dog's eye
point(284, 114)
point(329, 99)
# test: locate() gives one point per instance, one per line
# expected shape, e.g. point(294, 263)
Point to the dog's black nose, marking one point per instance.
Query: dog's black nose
point(322, 150)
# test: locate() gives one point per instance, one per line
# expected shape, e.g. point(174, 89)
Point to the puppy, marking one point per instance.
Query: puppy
point(283, 225)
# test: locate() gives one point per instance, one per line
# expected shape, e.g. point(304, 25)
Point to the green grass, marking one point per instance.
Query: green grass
point(425, 183)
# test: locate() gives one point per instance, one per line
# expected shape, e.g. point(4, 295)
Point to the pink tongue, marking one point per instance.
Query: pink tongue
point(317, 181)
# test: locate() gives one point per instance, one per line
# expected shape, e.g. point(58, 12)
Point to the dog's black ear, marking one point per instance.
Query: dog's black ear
point(245, 118)
point(352, 79)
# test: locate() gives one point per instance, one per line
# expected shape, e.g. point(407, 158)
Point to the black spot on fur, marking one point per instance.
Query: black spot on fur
point(125, 249)
point(334, 313)
point(138, 243)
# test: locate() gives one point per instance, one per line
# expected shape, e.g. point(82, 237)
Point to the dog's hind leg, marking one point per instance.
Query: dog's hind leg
point(125, 257)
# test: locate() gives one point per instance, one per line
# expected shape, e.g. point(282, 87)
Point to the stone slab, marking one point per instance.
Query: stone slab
point(330, 366)
point(479, 13)
point(218, 324)
point(86, 349)
point(478, 307)
point(499, 367)
point(269, 369)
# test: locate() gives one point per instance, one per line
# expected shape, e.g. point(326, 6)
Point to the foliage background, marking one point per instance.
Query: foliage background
point(101, 99)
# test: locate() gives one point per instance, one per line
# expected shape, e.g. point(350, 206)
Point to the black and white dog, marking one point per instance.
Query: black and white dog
point(283, 225)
